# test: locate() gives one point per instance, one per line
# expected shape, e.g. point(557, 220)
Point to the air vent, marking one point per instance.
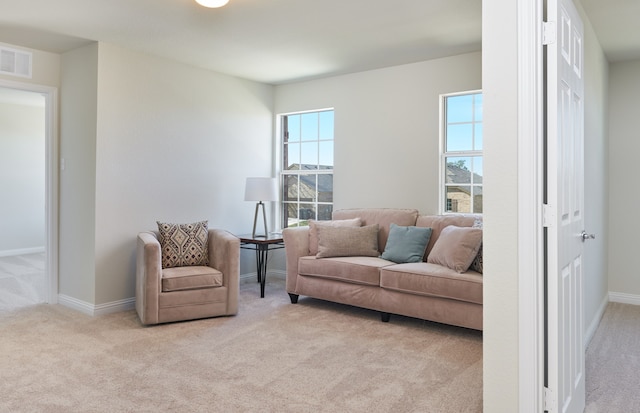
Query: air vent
point(15, 62)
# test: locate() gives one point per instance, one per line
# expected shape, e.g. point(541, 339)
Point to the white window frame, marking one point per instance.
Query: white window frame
point(282, 173)
point(444, 154)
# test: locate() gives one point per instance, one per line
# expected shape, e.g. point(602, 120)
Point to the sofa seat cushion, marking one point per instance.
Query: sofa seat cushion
point(190, 278)
point(432, 280)
point(357, 270)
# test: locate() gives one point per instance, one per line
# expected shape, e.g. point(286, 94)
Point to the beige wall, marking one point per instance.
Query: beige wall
point(148, 139)
point(596, 174)
point(78, 114)
point(624, 147)
point(173, 143)
point(500, 195)
point(386, 128)
point(46, 68)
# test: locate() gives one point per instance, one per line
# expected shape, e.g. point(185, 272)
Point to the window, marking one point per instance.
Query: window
point(307, 167)
point(461, 158)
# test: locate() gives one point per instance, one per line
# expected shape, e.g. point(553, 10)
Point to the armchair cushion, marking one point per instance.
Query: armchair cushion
point(184, 244)
point(190, 278)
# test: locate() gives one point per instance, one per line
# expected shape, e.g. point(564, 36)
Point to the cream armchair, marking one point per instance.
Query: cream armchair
point(188, 292)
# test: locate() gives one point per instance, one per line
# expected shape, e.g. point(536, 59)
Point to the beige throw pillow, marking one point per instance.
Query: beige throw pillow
point(456, 247)
point(313, 230)
point(184, 244)
point(348, 241)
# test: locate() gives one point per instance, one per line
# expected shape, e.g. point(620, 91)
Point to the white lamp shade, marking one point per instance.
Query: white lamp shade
point(261, 189)
point(212, 3)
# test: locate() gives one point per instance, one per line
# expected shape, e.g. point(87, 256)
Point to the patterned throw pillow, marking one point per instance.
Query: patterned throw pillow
point(477, 265)
point(184, 244)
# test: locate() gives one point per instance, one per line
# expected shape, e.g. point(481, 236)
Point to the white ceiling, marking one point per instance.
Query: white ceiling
point(280, 41)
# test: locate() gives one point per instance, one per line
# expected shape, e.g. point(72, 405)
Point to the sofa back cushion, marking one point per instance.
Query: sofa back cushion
point(438, 222)
point(384, 217)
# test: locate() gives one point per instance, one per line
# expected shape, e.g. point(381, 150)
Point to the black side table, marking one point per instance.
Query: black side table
point(261, 245)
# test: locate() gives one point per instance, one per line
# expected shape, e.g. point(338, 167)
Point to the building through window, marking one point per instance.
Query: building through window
point(307, 167)
point(461, 158)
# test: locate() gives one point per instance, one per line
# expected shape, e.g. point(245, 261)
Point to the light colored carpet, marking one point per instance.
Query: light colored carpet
point(613, 362)
point(272, 357)
point(22, 281)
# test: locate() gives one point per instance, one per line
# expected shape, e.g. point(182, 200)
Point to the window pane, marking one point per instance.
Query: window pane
point(308, 188)
point(457, 171)
point(325, 212)
point(477, 169)
point(326, 155)
point(460, 108)
point(325, 188)
point(309, 127)
point(477, 199)
point(459, 137)
point(309, 155)
point(306, 212)
point(458, 199)
point(326, 125)
point(294, 128)
point(478, 107)
point(290, 189)
point(292, 156)
point(477, 144)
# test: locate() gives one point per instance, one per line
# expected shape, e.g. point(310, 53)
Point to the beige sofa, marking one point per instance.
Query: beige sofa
point(425, 290)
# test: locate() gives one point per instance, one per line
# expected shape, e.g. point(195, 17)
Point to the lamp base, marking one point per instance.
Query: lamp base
point(255, 221)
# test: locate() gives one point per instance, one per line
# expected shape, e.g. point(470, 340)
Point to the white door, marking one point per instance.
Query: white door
point(565, 209)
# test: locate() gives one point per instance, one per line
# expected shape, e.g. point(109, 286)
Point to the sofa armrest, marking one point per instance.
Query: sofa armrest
point(296, 245)
point(148, 277)
point(224, 255)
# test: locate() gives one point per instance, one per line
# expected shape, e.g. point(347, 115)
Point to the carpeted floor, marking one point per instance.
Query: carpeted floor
point(22, 281)
point(613, 362)
point(272, 357)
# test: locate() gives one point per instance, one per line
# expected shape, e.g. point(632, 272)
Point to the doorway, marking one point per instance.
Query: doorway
point(28, 184)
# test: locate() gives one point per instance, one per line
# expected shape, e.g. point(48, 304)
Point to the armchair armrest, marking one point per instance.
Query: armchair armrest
point(224, 255)
point(296, 245)
point(148, 276)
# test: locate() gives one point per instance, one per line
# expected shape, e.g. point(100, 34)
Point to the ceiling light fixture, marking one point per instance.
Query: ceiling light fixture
point(212, 3)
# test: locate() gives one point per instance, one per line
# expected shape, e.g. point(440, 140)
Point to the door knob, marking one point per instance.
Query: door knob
point(586, 236)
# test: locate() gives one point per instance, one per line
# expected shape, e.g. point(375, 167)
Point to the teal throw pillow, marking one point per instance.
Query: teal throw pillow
point(406, 244)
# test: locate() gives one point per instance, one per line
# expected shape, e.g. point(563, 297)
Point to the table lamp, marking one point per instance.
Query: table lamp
point(261, 189)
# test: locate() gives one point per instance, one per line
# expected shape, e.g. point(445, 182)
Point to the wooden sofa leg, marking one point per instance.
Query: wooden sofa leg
point(385, 317)
point(293, 298)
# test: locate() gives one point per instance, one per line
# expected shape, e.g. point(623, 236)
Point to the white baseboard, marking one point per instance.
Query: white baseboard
point(100, 309)
point(128, 303)
point(624, 298)
point(593, 326)
point(21, 251)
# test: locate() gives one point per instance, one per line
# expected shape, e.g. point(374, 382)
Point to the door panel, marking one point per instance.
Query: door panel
point(565, 201)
